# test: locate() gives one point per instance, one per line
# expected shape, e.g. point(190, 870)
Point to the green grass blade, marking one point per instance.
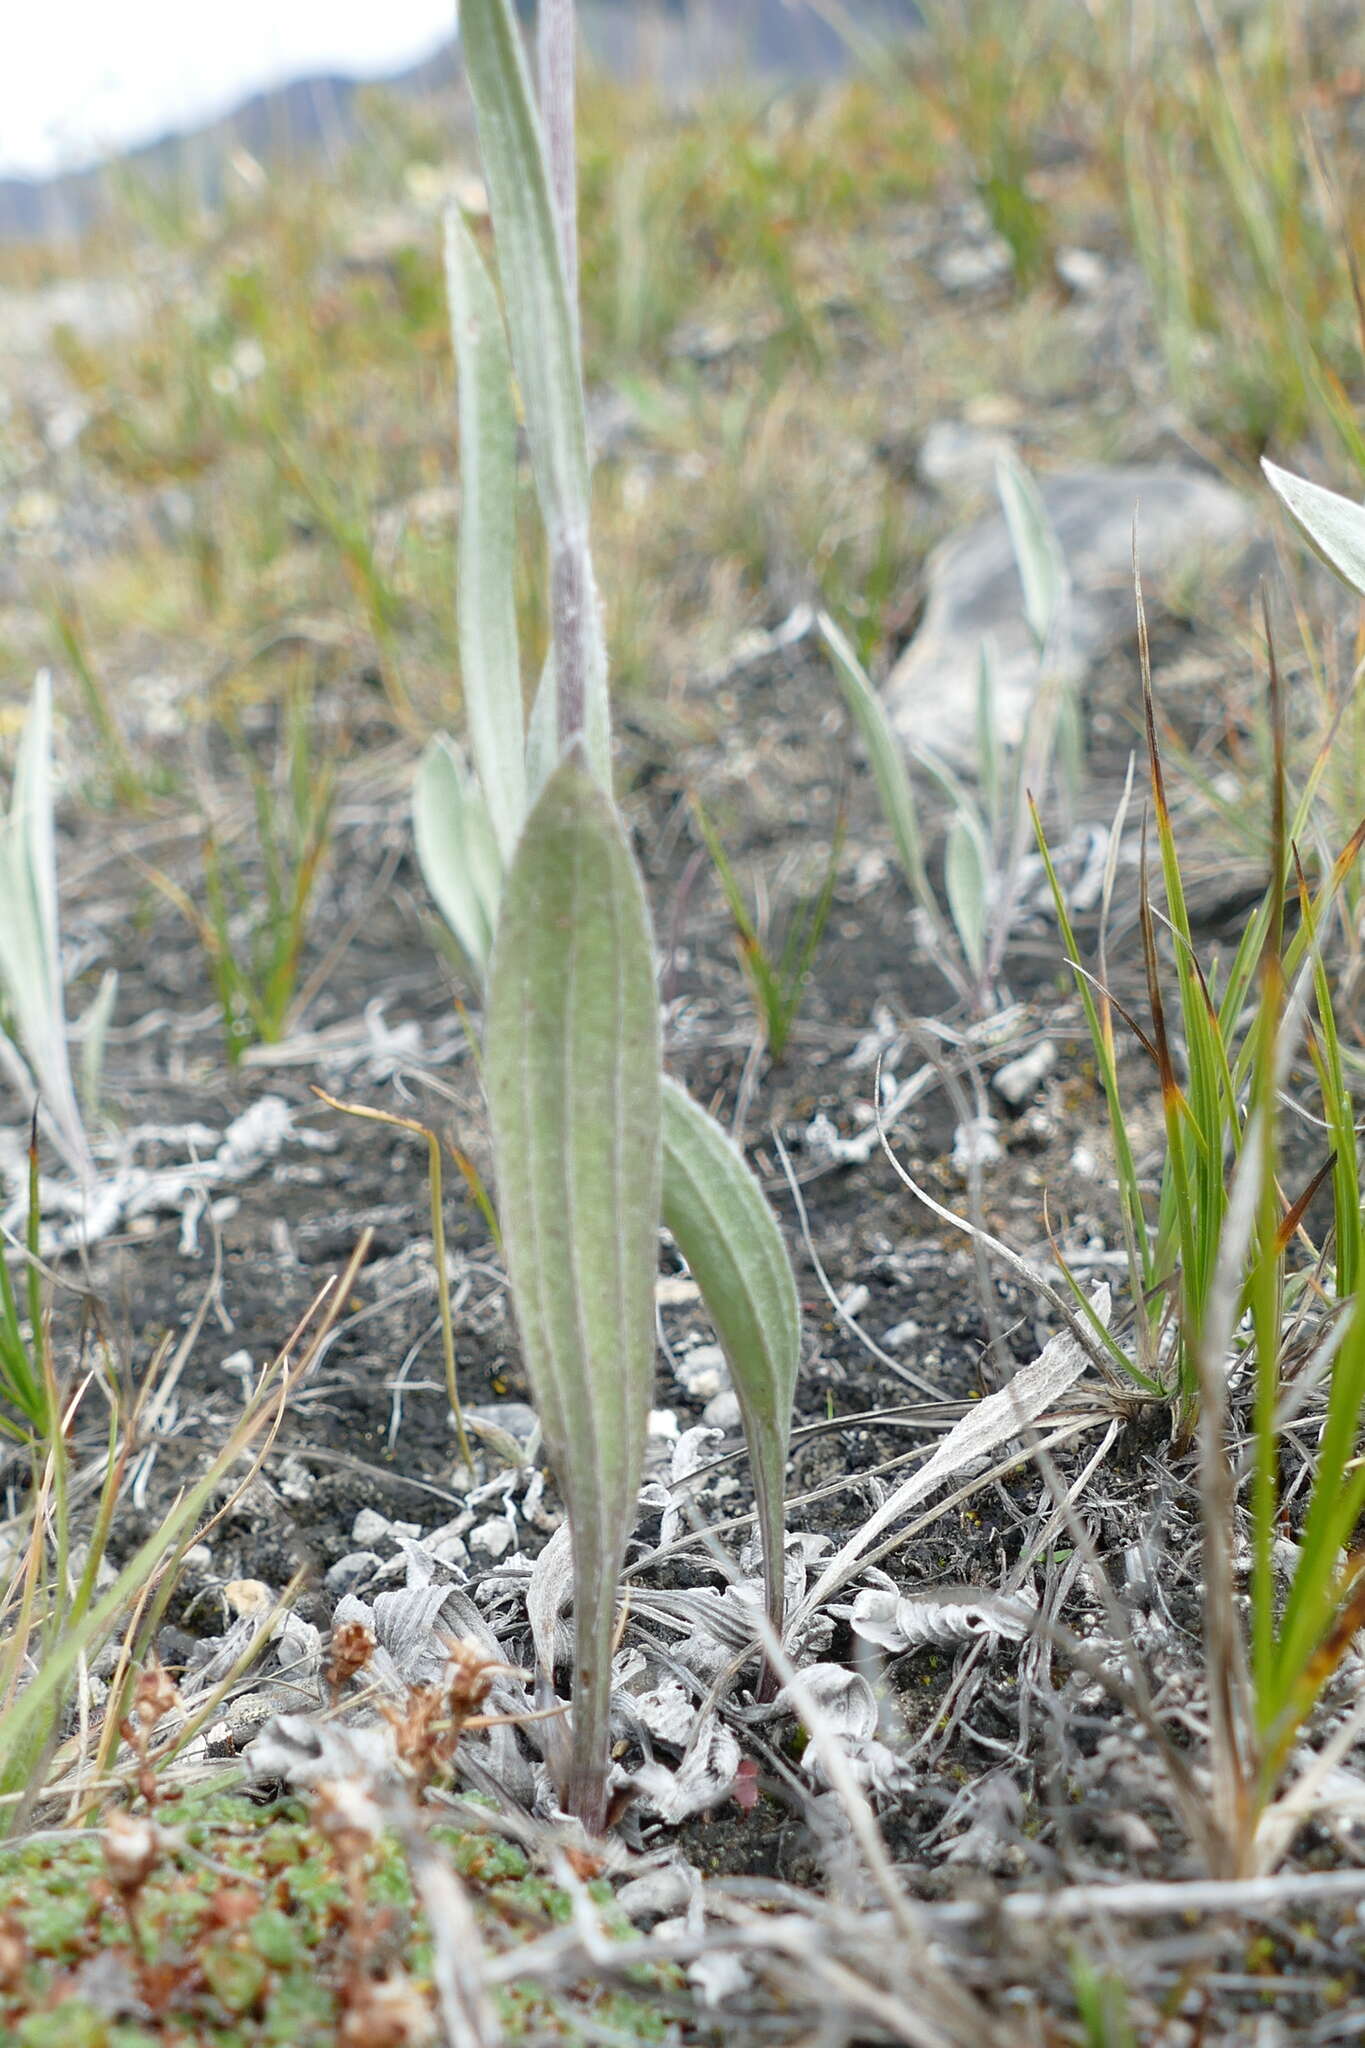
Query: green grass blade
point(1338, 1111)
point(1101, 1032)
point(572, 1065)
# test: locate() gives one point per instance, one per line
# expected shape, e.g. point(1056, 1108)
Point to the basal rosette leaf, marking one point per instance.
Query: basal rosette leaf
point(727, 1233)
point(572, 1070)
point(456, 850)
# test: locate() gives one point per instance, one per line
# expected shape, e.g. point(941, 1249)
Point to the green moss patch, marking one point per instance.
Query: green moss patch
point(251, 1933)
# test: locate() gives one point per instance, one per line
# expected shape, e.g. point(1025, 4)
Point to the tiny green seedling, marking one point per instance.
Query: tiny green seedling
point(253, 923)
point(778, 979)
point(985, 833)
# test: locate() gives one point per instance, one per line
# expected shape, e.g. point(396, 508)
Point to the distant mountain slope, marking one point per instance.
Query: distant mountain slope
point(683, 43)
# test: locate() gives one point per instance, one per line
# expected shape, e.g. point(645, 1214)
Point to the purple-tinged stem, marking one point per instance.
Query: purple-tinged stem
point(555, 64)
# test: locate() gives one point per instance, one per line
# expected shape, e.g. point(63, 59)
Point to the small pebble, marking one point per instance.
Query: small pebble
point(516, 1417)
point(703, 1371)
point(675, 1290)
point(975, 1144)
point(351, 1572)
point(491, 1539)
point(249, 1597)
point(1082, 271)
point(1016, 1081)
point(370, 1527)
point(722, 1411)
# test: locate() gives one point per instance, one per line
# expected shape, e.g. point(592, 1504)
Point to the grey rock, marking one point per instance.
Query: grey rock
point(973, 266)
point(1082, 272)
point(515, 1417)
point(974, 594)
point(370, 1527)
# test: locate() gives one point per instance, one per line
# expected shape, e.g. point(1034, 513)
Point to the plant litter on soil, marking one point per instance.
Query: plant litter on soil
point(1038, 1718)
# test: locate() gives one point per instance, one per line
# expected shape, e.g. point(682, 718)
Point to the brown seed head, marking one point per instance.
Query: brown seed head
point(388, 2012)
point(132, 1849)
point(351, 1650)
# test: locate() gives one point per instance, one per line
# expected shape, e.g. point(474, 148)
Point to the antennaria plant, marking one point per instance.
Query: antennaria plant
point(32, 1003)
point(985, 835)
point(529, 861)
point(1334, 525)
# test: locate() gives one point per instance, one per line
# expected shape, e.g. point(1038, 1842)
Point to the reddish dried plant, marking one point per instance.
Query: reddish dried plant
point(351, 1649)
point(154, 1696)
point(427, 1728)
point(379, 2005)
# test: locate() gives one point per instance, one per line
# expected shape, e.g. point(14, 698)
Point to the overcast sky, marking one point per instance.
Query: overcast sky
point(82, 77)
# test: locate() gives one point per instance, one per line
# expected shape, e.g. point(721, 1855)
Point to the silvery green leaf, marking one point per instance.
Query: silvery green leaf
point(966, 878)
point(729, 1237)
point(571, 1062)
point(542, 732)
point(489, 664)
point(1334, 525)
point(456, 850)
point(544, 347)
point(30, 934)
point(883, 752)
point(987, 740)
point(895, 790)
point(94, 1033)
point(1037, 554)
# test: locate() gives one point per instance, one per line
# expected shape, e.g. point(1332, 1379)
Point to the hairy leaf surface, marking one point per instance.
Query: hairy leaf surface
point(729, 1237)
point(456, 850)
point(1334, 525)
point(489, 667)
point(572, 1067)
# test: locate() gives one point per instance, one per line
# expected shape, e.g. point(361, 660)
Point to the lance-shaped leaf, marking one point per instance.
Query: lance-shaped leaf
point(571, 1062)
point(729, 1237)
point(967, 881)
point(1334, 525)
point(1037, 552)
point(456, 850)
point(894, 788)
point(488, 537)
point(545, 351)
point(542, 732)
point(30, 937)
